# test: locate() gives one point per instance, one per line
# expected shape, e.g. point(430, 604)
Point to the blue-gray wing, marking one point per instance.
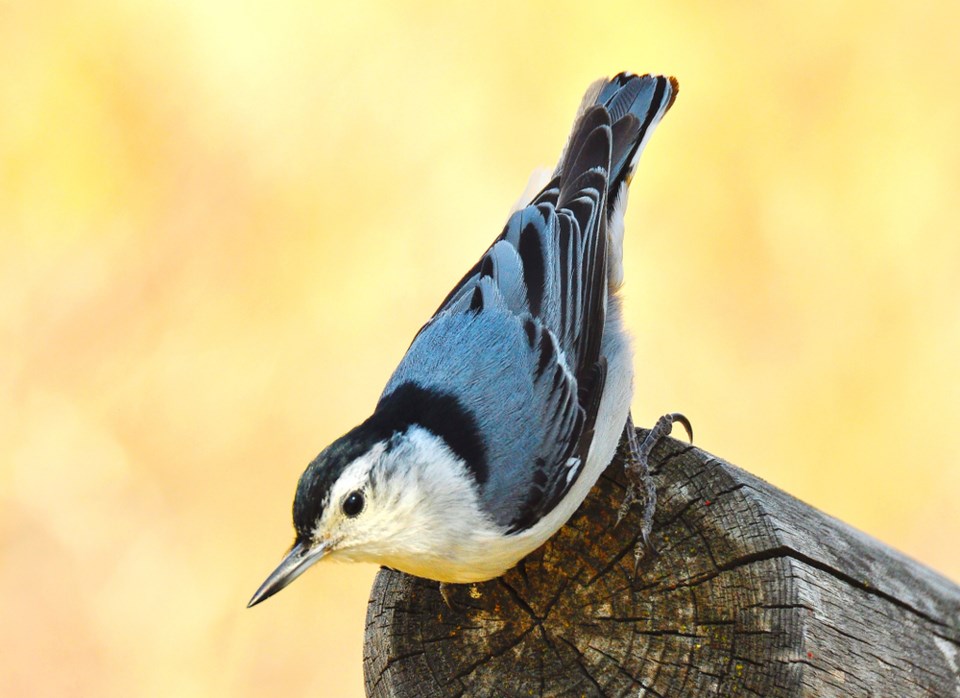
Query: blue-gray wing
point(508, 373)
point(536, 300)
point(548, 268)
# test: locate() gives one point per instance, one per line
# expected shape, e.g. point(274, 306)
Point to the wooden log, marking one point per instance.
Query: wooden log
point(752, 593)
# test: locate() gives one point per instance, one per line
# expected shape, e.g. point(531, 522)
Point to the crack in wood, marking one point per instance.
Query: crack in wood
point(581, 662)
point(745, 597)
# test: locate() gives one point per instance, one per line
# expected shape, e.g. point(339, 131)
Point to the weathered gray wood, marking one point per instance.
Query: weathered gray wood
point(753, 593)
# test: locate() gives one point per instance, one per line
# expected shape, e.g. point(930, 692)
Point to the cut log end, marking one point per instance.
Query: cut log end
point(750, 593)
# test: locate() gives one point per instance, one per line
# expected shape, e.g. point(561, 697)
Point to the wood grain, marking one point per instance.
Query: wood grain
point(752, 593)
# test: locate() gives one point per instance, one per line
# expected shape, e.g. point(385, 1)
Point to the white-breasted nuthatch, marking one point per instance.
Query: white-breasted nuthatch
point(511, 400)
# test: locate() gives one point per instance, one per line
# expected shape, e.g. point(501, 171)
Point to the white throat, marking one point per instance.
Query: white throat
point(423, 516)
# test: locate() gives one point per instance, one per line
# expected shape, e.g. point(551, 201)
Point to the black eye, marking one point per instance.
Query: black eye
point(353, 504)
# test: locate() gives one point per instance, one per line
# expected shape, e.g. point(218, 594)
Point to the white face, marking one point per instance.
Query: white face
point(416, 503)
point(351, 511)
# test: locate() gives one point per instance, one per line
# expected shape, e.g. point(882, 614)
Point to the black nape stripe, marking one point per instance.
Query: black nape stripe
point(409, 404)
point(440, 413)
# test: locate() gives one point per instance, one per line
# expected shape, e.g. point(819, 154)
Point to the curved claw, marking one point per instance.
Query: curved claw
point(636, 459)
point(679, 417)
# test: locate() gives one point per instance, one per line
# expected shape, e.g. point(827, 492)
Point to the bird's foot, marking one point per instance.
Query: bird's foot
point(636, 460)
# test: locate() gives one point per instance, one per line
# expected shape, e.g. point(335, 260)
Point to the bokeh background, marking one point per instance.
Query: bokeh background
point(221, 224)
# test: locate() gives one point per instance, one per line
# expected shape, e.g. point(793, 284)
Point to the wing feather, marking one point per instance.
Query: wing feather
point(548, 270)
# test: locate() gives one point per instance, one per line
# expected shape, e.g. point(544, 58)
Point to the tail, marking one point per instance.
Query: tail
point(634, 105)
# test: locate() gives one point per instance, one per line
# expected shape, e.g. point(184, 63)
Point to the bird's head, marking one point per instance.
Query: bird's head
point(391, 491)
point(339, 505)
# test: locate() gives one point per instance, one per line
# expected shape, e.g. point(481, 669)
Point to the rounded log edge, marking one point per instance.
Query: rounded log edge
point(750, 592)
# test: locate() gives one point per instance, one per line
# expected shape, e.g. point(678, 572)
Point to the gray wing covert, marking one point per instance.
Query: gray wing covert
point(548, 268)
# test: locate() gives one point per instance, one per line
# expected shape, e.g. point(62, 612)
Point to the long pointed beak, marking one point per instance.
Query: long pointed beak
point(292, 566)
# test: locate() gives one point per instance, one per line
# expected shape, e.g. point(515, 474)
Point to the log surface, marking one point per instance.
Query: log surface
point(751, 593)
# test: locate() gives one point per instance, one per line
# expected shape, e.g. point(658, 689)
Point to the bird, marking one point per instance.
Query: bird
point(514, 396)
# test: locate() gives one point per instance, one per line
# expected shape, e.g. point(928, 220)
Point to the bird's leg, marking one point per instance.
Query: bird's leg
point(636, 460)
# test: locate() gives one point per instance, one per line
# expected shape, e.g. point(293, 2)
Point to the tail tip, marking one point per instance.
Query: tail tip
point(626, 76)
point(674, 90)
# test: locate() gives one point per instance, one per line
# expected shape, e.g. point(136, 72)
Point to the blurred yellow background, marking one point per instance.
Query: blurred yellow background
point(222, 223)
